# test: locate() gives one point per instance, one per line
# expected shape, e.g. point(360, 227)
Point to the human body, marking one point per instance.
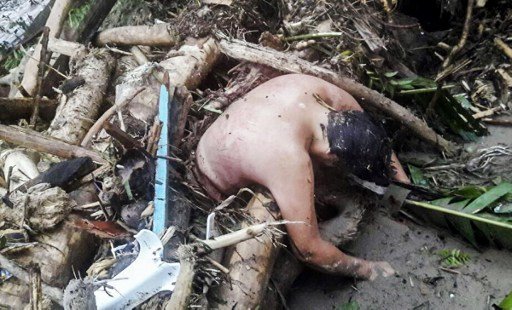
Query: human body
point(271, 137)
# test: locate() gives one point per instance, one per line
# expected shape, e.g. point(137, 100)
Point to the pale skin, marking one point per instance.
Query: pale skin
point(271, 137)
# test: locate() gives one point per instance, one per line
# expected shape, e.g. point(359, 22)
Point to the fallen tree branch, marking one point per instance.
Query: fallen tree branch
point(64, 47)
point(155, 35)
point(181, 296)
point(368, 98)
point(34, 140)
point(53, 293)
point(463, 37)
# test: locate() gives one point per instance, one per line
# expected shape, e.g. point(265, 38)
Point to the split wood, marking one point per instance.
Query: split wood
point(34, 140)
point(53, 293)
point(106, 116)
point(368, 98)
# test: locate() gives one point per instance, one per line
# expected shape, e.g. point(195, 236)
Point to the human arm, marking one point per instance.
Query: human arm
point(399, 173)
point(292, 187)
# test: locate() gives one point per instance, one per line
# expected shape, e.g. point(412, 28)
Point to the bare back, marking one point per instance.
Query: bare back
point(271, 125)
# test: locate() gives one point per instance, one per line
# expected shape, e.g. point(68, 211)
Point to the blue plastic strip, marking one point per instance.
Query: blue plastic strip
point(161, 180)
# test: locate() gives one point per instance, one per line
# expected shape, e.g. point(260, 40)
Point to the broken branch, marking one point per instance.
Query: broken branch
point(463, 37)
point(105, 117)
point(34, 140)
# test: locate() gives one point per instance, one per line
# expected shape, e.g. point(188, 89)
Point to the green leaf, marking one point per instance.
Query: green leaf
point(471, 191)
point(506, 304)
point(488, 198)
point(417, 176)
point(353, 305)
point(390, 74)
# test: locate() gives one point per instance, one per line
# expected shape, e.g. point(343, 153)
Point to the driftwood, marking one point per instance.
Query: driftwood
point(250, 263)
point(76, 114)
point(369, 99)
point(55, 21)
point(14, 109)
point(34, 140)
point(156, 35)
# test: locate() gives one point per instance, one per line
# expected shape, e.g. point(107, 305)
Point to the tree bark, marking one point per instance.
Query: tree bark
point(76, 115)
point(250, 263)
point(155, 35)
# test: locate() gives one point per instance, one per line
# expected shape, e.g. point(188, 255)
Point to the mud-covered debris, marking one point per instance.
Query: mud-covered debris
point(41, 208)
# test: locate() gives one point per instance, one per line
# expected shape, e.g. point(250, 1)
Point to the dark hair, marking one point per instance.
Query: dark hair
point(362, 146)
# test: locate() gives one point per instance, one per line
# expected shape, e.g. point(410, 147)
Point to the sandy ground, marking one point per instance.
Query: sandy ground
point(419, 284)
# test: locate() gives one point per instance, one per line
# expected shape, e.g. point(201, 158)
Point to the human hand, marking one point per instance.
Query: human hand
point(383, 269)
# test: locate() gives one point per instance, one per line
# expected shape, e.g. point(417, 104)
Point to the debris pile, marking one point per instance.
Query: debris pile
point(100, 120)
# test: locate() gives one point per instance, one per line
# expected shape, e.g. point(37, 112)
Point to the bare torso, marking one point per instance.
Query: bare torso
point(280, 118)
point(271, 137)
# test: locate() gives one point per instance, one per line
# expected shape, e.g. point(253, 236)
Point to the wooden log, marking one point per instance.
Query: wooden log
point(250, 263)
point(368, 98)
point(83, 34)
point(155, 35)
point(76, 115)
point(14, 109)
point(34, 140)
point(64, 47)
point(193, 64)
point(55, 21)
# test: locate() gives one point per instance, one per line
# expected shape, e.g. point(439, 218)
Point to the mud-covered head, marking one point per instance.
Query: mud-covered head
point(361, 145)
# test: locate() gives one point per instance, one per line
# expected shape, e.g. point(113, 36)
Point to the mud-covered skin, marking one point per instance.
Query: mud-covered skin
point(271, 137)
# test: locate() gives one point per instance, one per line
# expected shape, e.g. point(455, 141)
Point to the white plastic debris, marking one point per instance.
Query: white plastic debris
point(145, 277)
